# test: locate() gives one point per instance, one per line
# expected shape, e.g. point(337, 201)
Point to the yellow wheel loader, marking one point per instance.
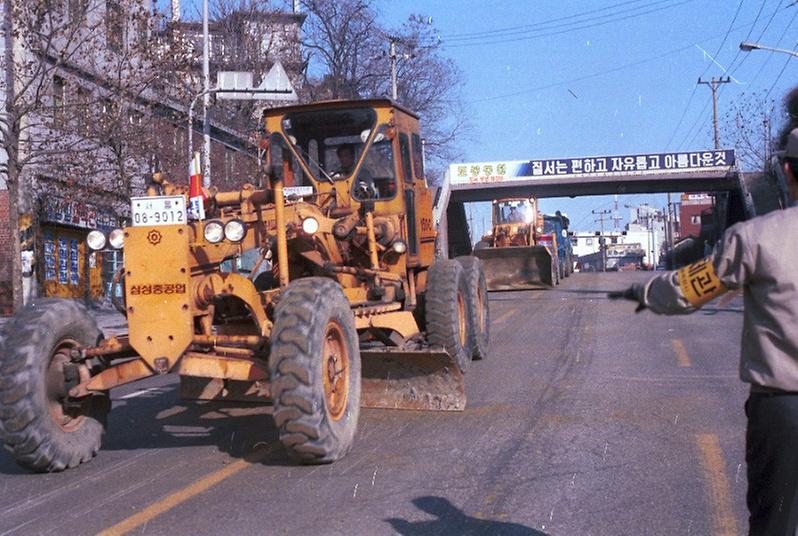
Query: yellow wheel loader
point(318, 294)
point(511, 254)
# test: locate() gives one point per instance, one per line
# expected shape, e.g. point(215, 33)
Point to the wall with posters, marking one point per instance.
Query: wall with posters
point(67, 268)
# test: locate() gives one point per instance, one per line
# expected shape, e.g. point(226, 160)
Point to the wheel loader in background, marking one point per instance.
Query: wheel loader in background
point(512, 254)
point(352, 310)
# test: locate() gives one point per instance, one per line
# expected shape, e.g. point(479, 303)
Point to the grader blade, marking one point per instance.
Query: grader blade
point(417, 379)
point(514, 267)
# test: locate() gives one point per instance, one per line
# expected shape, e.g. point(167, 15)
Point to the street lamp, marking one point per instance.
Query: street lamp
point(747, 46)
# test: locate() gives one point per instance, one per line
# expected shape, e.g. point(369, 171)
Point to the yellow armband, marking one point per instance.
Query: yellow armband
point(699, 283)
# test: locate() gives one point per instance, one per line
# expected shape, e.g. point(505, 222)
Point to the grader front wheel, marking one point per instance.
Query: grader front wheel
point(315, 370)
point(43, 429)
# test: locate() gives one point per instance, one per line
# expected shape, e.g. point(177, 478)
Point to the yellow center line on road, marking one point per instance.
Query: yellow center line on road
point(181, 496)
point(682, 357)
point(724, 523)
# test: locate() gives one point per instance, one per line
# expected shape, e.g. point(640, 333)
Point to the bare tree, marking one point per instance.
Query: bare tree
point(79, 80)
point(748, 127)
point(430, 84)
point(345, 42)
point(349, 50)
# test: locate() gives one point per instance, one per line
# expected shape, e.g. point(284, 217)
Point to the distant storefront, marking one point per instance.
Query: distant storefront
point(67, 268)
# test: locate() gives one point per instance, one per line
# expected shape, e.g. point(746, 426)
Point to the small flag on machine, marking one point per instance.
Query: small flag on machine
point(196, 195)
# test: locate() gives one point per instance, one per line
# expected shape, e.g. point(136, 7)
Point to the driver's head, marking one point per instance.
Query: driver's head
point(346, 156)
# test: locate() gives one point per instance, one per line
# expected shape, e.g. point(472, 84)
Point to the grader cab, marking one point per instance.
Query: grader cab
point(512, 254)
point(344, 304)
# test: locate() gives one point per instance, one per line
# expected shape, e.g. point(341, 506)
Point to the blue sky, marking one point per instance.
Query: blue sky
point(550, 79)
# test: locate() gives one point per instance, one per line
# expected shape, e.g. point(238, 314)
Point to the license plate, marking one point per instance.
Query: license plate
point(158, 210)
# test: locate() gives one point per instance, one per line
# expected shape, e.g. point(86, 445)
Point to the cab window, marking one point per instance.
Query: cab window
point(376, 177)
point(418, 156)
point(404, 150)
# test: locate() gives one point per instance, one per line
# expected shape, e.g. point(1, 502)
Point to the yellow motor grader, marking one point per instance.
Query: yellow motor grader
point(343, 305)
point(512, 254)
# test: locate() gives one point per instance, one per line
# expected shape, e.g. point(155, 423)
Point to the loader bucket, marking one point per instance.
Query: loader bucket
point(515, 267)
point(405, 379)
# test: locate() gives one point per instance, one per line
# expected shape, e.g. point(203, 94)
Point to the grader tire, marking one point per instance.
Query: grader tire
point(41, 434)
point(315, 371)
point(478, 310)
point(446, 310)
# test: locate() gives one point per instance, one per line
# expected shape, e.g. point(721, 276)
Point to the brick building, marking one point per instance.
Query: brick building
point(691, 210)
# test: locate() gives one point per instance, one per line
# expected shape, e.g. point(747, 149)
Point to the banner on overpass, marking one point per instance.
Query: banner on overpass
point(592, 166)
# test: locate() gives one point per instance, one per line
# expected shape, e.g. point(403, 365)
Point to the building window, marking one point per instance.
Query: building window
point(229, 163)
point(588, 241)
point(83, 97)
point(180, 141)
point(59, 100)
point(135, 118)
point(695, 220)
point(115, 27)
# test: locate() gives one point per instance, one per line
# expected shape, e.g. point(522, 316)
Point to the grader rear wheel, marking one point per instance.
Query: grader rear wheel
point(446, 309)
point(478, 314)
point(315, 370)
point(43, 431)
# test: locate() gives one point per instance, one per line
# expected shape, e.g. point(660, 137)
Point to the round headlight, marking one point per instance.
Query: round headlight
point(117, 239)
point(213, 232)
point(399, 246)
point(234, 230)
point(96, 240)
point(310, 225)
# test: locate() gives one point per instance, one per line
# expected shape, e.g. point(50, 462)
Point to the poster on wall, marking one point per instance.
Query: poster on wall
point(49, 256)
point(63, 261)
point(74, 264)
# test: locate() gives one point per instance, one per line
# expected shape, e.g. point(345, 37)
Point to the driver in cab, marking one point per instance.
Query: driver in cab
point(346, 158)
point(515, 216)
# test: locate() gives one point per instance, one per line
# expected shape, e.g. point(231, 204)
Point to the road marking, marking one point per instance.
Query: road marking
point(682, 357)
point(717, 485)
point(181, 496)
point(505, 316)
point(140, 392)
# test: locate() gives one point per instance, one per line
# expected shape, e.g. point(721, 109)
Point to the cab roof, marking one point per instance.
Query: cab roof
point(349, 103)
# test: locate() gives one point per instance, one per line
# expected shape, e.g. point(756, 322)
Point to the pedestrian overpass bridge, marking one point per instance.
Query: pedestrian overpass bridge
point(742, 195)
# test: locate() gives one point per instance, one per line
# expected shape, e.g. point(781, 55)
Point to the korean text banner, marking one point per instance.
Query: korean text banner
point(591, 166)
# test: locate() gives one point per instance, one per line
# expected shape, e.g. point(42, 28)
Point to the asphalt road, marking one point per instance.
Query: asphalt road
point(586, 419)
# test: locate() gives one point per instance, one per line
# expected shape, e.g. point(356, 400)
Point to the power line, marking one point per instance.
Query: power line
point(581, 78)
point(567, 30)
point(536, 24)
point(732, 67)
point(546, 26)
point(717, 52)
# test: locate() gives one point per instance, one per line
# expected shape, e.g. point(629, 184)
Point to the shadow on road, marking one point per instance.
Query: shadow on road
point(160, 419)
point(452, 520)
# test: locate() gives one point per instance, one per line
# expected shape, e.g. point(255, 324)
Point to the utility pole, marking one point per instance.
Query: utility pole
point(392, 54)
point(713, 84)
point(616, 217)
point(602, 241)
point(206, 99)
